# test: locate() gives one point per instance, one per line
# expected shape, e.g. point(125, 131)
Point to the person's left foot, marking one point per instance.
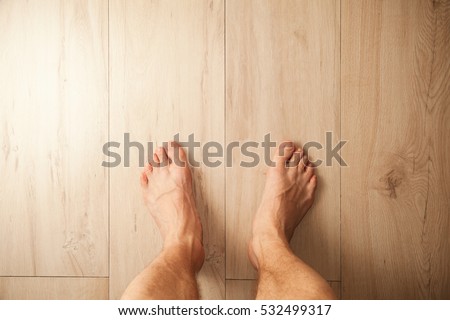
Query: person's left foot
point(168, 194)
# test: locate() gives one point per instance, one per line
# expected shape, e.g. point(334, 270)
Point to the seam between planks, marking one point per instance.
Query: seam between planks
point(225, 137)
point(340, 151)
point(109, 170)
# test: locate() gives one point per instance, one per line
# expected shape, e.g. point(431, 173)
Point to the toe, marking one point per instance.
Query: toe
point(155, 160)
point(162, 156)
point(303, 162)
point(313, 182)
point(176, 154)
point(311, 188)
point(284, 153)
point(148, 170)
point(309, 170)
point(144, 180)
point(296, 158)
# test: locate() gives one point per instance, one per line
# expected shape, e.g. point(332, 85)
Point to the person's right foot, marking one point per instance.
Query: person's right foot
point(168, 194)
point(287, 197)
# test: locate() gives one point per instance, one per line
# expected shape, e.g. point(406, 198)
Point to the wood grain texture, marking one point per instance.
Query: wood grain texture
point(336, 286)
point(241, 289)
point(395, 114)
point(167, 72)
point(47, 288)
point(167, 77)
point(53, 122)
point(282, 77)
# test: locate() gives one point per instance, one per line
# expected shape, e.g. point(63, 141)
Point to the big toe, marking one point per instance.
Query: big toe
point(176, 154)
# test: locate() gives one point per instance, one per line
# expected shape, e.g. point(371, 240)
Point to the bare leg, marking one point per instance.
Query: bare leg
point(167, 189)
point(288, 195)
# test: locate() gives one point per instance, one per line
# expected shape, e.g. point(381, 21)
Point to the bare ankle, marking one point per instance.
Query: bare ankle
point(264, 246)
point(188, 252)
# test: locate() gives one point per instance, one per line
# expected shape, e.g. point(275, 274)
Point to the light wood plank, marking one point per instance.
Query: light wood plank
point(31, 288)
point(395, 114)
point(53, 122)
point(167, 77)
point(282, 76)
point(241, 289)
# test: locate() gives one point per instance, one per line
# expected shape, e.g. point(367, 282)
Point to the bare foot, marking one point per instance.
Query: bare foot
point(287, 197)
point(168, 194)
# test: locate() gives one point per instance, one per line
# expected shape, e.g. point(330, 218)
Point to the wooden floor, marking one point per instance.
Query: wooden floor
point(76, 74)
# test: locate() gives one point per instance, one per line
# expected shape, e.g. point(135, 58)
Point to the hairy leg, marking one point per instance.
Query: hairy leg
point(288, 195)
point(168, 194)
